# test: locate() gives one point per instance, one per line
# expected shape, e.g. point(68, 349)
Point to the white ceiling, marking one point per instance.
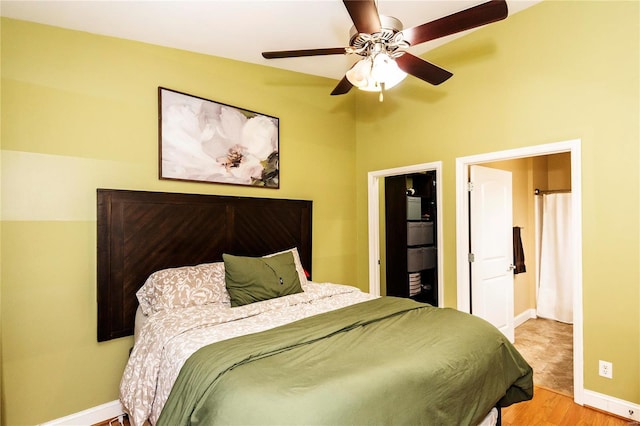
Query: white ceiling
point(238, 29)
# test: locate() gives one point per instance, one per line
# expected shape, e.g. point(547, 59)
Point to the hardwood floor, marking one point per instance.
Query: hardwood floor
point(549, 408)
point(114, 422)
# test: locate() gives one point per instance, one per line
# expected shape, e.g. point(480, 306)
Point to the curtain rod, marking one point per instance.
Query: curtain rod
point(550, 191)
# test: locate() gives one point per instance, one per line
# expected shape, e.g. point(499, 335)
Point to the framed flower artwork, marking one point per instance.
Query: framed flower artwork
point(205, 141)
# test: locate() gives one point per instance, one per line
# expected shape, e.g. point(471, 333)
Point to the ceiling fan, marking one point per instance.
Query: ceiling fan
point(382, 43)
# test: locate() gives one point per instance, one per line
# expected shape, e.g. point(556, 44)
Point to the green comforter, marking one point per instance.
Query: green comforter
point(386, 361)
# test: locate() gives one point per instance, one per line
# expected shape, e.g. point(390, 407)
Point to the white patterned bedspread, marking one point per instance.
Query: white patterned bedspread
point(168, 338)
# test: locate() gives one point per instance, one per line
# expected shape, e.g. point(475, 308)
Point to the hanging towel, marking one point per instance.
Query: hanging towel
point(518, 252)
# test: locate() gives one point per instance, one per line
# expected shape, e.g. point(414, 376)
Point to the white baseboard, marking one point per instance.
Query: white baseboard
point(523, 317)
point(109, 410)
point(619, 407)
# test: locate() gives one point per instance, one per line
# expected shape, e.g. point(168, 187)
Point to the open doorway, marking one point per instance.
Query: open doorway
point(463, 228)
point(376, 197)
point(410, 255)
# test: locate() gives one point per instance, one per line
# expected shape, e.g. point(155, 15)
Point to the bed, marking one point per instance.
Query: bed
point(230, 329)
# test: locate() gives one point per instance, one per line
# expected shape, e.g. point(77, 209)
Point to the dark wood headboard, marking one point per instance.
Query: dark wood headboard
point(142, 232)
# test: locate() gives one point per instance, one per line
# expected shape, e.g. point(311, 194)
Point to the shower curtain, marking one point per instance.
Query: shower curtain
point(555, 286)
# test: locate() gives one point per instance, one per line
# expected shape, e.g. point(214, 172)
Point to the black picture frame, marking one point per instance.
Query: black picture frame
point(201, 140)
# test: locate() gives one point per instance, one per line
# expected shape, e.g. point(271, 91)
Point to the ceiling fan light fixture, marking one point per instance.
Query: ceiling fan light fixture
point(375, 73)
point(360, 74)
point(382, 42)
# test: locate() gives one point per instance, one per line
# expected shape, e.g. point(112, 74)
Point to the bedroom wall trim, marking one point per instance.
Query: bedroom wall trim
point(90, 416)
point(374, 221)
point(524, 316)
point(462, 231)
point(619, 407)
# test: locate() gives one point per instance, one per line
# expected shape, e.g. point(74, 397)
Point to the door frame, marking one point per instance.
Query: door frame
point(462, 232)
point(374, 221)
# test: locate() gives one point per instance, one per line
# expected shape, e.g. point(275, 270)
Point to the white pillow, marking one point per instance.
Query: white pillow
point(185, 286)
point(296, 258)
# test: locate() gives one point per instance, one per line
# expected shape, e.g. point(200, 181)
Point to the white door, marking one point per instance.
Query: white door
point(491, 235)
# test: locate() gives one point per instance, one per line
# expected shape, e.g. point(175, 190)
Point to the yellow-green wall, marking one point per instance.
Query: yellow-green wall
point(80, 112)
point(558, 71)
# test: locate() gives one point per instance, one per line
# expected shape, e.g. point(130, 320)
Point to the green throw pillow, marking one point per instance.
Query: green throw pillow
point(253, 279)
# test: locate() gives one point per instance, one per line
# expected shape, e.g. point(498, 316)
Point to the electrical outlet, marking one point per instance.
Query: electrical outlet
point(605, 369)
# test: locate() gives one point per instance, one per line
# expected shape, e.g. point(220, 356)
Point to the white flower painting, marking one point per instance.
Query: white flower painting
point(202, 140)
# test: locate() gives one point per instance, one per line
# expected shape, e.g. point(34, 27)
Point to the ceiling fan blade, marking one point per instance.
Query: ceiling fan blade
point(343, 87)
point(364, 15)
point(422, 69)
point(304, 52)
point(492, 11)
